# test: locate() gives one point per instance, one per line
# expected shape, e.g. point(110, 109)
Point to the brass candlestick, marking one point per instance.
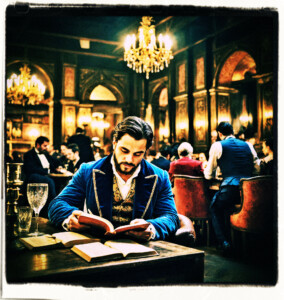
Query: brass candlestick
point(14, 183)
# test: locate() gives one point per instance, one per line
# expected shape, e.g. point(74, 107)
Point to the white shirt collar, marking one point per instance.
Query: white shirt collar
point(135, 174)
point(229, 137)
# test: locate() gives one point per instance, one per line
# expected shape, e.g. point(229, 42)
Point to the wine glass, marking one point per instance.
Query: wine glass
point(37, 195)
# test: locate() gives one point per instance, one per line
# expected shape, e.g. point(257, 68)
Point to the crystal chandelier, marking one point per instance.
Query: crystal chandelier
point(147, 57)
point(25, 89)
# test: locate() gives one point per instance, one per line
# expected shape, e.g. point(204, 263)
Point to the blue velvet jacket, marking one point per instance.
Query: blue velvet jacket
point(92, 188)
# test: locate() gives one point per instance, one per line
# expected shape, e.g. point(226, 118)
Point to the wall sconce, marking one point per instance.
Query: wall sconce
point(98, 121)
point(268, 114)
point(84, 120)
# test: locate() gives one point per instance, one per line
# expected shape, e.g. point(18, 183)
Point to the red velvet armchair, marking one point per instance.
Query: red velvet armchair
point(256, 209)
point(191, 199)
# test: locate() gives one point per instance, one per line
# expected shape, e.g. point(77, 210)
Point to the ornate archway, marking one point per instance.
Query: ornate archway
point(235, 93)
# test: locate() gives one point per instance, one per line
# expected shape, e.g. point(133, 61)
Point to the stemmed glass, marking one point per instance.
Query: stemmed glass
point(37, 196)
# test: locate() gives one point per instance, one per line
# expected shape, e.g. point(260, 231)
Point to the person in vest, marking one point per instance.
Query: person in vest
point(122, 187)
point(237, 159)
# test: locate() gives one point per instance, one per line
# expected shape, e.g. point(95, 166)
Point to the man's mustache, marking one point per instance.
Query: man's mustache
point(125, 163)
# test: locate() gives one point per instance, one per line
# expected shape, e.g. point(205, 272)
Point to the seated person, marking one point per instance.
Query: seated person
point(266, 163)
point(162, 160)
point(122, 187)
point(54, 153)
point(63, 156)
point(185, 165)
point(37, 165)
point(151, 155)
point(203, 159)
point(73, 157)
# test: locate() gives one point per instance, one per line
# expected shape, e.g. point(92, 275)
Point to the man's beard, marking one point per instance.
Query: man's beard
point(118, 168)
point(42, 151)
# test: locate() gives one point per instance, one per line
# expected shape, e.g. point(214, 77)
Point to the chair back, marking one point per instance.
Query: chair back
point(256, 212)
point(190, 195)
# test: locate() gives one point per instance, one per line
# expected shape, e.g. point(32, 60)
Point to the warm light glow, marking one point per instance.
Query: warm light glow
point(69, 120)
point(147, 56)
point(98, 115)
point(98, 122)
point(164, 132)
point(84, 120)
point(24, 88)
point(182, 125)
point(246, 118)
point(268, 114)
point(85, 44)
point(39, 262)
point(102, 93)
point(224, 119)
point(200, 123)
point(33, 133)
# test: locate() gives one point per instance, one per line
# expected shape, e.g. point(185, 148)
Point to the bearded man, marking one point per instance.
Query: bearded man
point(122, 187)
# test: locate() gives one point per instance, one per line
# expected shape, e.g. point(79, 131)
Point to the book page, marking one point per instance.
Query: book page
point(69, 238)
point(39, 241)
point(96, 251)
point(127, 247)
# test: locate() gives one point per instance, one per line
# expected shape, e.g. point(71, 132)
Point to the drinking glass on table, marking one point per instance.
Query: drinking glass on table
point(37, 195)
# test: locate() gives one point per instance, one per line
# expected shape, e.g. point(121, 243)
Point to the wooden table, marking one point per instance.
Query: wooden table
point(175, 265)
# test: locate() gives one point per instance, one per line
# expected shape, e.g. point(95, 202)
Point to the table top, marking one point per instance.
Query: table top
point(60, 175)
point(24, 265)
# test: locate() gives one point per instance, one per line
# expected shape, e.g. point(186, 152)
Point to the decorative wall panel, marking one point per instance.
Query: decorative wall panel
point(69, 82)
point(199, 73)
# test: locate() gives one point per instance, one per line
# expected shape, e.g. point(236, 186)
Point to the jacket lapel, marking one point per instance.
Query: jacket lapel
point(102, 181)
point(37, 160)
point(145, 188)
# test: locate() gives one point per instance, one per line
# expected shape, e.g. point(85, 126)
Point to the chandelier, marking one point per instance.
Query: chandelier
point(147, 56)
point(25, 89)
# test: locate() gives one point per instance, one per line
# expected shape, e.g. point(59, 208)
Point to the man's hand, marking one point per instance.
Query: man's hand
point(145, 235)
point(73, 224)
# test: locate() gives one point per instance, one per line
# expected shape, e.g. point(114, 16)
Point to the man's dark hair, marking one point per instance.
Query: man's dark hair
point(74, 147)
point(40, 140)
point(64, 144)
point(225, 128)
point(269, 142)
point(136, 128)
point(79, 130)
point(165, 151)
point(152, 152)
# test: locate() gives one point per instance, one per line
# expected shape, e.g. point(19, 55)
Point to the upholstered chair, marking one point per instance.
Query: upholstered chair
point(192, 200)
point(255, 214)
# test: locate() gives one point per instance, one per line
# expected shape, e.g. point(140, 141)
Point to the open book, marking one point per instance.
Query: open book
point(57, 240)
point(105, 226)
point(112, 249)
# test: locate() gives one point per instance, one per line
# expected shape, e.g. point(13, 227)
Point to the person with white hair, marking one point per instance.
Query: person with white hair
point(185, 165)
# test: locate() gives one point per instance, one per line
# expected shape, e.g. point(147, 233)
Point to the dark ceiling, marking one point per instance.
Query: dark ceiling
point(59, 28)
